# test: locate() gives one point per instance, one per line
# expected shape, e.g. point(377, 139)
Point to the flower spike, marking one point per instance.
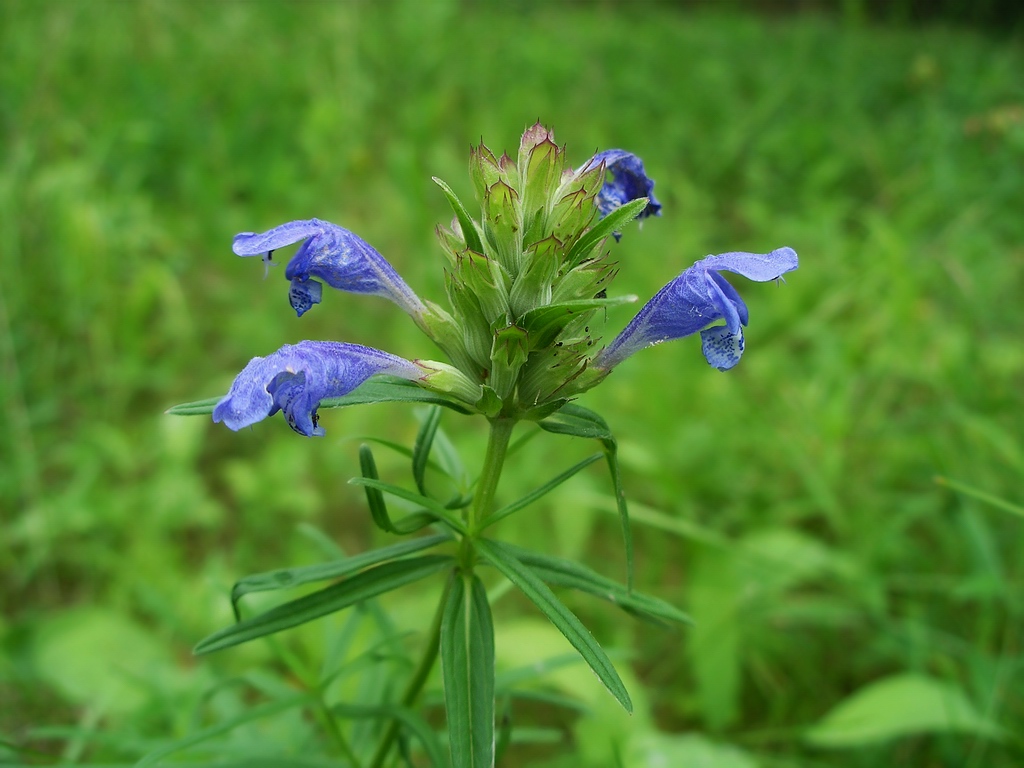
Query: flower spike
point(693, 300)
point(330, 253)
point(298, 376)
point(629, 182)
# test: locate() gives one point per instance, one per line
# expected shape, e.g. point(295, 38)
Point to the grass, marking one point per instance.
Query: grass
point(791, 506)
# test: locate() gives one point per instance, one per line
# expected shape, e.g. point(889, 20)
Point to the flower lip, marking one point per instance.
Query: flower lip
point(259, 243)
point(629, 182)
point(334, 255)
point(297, 377)
point(699, 296)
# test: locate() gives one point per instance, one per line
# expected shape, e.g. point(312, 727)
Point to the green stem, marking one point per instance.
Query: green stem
point(483, 500)
point(417, 681)
point(494, 460)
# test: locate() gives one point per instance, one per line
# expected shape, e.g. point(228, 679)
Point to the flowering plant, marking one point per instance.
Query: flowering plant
point(524, 280)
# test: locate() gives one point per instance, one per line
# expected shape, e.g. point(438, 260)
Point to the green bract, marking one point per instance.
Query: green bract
point(525, 277)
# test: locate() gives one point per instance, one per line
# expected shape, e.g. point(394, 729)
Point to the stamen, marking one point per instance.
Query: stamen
point(268, 262)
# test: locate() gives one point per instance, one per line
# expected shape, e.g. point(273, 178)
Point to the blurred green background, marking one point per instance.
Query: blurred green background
point(850, 609)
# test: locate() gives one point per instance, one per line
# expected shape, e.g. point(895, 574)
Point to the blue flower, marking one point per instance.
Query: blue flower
point(297, 377)
point(693, 300)
point(629, 182)
point(340, 258)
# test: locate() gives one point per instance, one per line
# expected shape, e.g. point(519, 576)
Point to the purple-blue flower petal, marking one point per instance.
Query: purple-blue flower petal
point(629, 182)
point(723, 303)
point(298, 376)
point(259, 243)
point(754, 266)
point(334, 255)
point(693, 300)
point(722, 348)
point(303, 294)
point(732, 295)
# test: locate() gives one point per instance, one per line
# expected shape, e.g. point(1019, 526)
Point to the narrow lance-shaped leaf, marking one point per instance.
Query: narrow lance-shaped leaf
point(392, 390)
point(202, 407)
point(374, 497)
point(467, 664)
point(577, 421)
point(447, 463)
point(286, 578)
point(381, 389)
point(566, 573)
point(378, 508)
point(433, 506)
point(422, 446)
point(502, 558)
point(531, 497)
point(370, 583)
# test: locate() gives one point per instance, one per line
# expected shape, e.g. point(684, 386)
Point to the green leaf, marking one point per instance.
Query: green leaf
point(411, 720)
point(369, 583)
point(469, 230)
point(421, 448)
point(379, 389)
point(286, 578)
point(531, 497)
point(374, 498)
point(610, 223)
point(578, 421)
point(566, 573)
point(901, 705)
point(447, 463)
point(467, 666)
point(436, 508)
point(378, 509)
point(197, 408)
point(414, 522)
point(387, 389)
point(502, 557)
point(546, 322)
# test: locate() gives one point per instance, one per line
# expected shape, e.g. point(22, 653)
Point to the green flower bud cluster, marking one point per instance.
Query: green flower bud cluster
point(525, 278)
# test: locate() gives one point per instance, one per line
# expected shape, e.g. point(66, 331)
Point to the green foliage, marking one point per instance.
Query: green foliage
point(897, 706)
point(467, 664)
point(524, 577)
point(365, 585)
point(138, 140)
